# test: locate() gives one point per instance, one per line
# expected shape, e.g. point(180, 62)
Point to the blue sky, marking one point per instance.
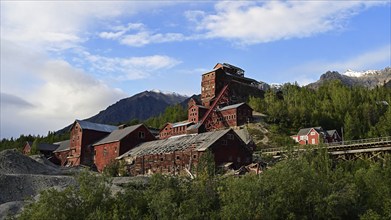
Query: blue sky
point(68, 60)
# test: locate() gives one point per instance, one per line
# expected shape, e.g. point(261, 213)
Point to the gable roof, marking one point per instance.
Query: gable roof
point(331, 132)
point(233, 106)
point(244, 135)
point(62, 146)
point(200, 142)
point(182, 123)
point(94, 126)
point(118, 135)
point(305, 131)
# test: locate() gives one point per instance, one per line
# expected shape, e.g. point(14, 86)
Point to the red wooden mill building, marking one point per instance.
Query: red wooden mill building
point(224, 91)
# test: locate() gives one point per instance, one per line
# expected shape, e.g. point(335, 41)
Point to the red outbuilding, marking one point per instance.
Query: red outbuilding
point(118, 142)
point(315, 136)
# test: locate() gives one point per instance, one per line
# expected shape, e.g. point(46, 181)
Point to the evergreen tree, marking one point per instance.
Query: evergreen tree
point(34, 147)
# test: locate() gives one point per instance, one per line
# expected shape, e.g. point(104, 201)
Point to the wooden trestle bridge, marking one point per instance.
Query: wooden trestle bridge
point(371, 148)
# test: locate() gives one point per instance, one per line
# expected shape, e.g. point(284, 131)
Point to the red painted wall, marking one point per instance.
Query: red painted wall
point(106, 153)
point(166, 131)
point(80, 140)
point(313, 137)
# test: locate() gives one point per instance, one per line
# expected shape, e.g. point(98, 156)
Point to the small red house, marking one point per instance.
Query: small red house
point(83, 135)
point(177, 154)
point(118, 142)
point(315, 136)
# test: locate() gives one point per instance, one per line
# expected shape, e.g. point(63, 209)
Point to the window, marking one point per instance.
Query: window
point(230, 136)
point(312, 132)
point(194, 156)
point(104, 152)
point(224, 142)
point(177, 157)
point(115, 149)
point(141, 134)
point(313, 141)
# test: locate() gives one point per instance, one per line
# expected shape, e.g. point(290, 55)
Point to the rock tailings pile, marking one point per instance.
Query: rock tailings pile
point(22, 177)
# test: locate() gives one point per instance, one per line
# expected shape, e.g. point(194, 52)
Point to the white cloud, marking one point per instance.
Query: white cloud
point(68, 92)
point(60, 95)
point(58, 92)
point(120, 31)
point(129, 68)
point(58, 25)
point(140, 35)
point(252, 23)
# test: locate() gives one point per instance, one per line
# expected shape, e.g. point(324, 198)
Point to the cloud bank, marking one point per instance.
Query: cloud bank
point(267, 21)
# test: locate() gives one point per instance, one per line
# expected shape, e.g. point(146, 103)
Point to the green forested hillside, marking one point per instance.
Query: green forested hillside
point(360, 111)
point(19, 143)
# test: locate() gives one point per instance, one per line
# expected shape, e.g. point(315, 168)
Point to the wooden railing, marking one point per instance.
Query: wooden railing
point(331, 146)
point(360, 142)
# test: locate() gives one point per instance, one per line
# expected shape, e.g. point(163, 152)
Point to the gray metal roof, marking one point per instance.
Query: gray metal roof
point(200, 142)
point(231, 106)
point(117, 135)
point(244, 135)
point(331, 132)
point(182, 123)
point(62, 146)
point(201, 106)
point(305, 131)
point(195, 126)
point(95, 126)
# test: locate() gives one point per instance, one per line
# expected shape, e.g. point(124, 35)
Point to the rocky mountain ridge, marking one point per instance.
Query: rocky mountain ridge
point(369, 79)
point(140, 106)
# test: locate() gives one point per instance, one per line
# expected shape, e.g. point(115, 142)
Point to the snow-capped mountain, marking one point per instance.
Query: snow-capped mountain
point(166, 92)
point(369, 78)
point(352, 73)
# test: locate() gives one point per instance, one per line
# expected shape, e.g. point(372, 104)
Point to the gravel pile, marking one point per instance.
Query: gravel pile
point(22, 177)
point(14, 162)
point(18, 187)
